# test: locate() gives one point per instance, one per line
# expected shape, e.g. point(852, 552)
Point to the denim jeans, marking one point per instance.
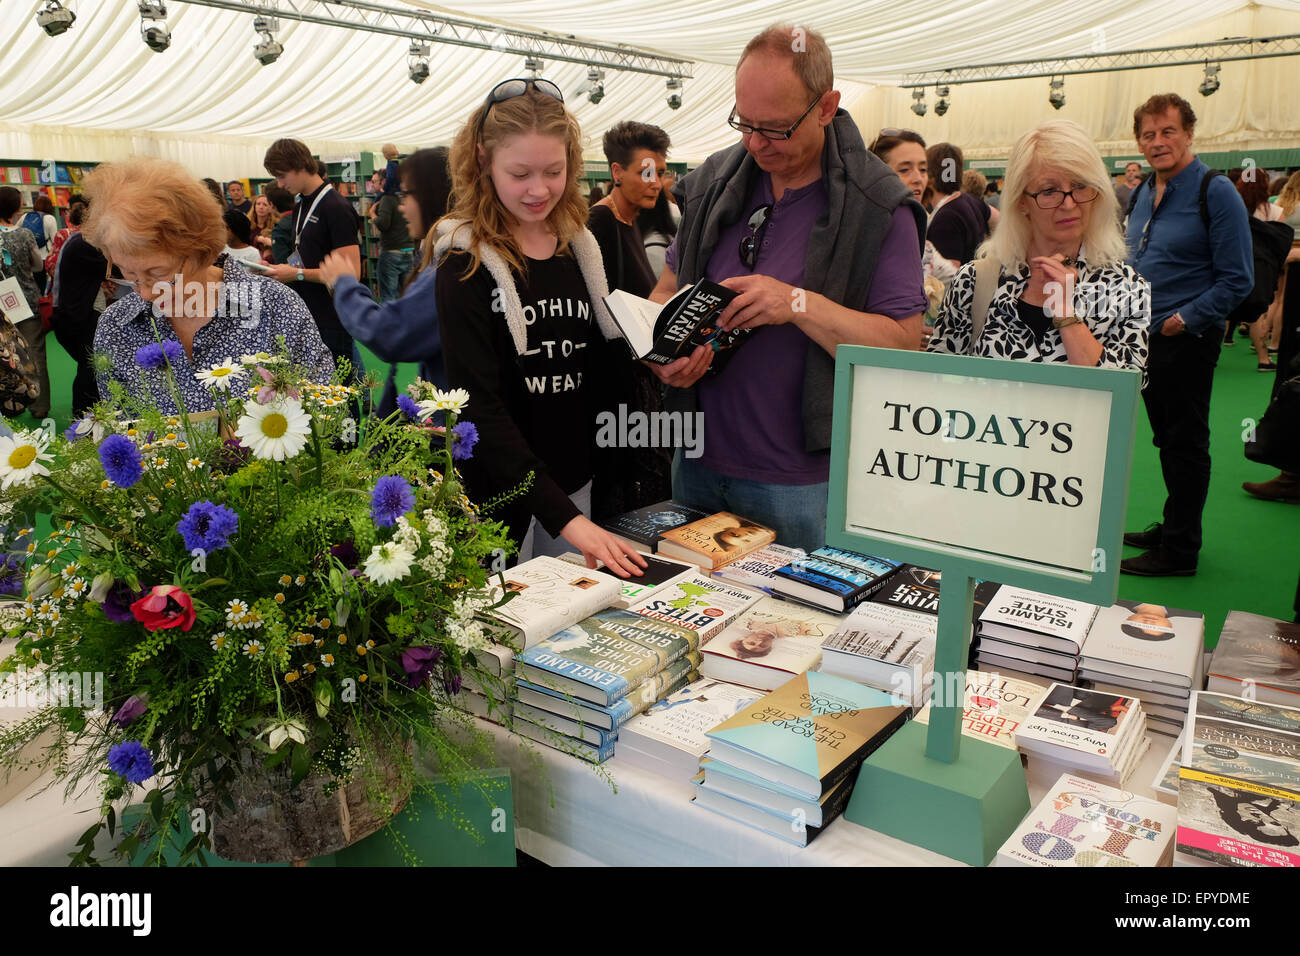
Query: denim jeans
point(797, 513)
point(393, 270)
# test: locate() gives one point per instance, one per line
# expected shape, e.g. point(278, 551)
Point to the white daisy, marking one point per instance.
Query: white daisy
point(22, 458)
point(194, 463)
point(221, 375)
point(253, 648)
point(388, 562)
point(219, 641)
point(278, 430)
point(452, 400)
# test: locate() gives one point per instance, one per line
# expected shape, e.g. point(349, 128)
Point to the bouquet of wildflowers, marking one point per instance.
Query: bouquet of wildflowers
point(280, 580)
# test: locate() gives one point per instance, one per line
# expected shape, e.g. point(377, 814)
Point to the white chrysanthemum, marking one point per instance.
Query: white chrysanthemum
point(388, 562)
point(22, 458)
point(277, 431)
point(221, 375)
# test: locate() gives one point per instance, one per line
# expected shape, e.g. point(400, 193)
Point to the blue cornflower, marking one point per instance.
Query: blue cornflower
point(464, 436)
point(150, 356)
point(173, 351)
point(121, 460)
point(132, 760)
point(207, 526)
point(391, 499)
point(407, 406)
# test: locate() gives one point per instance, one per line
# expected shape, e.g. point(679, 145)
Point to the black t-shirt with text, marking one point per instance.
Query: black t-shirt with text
point(534, 412)
point(333, 224)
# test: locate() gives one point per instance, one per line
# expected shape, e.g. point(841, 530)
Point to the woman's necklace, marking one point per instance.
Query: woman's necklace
point(613, 205)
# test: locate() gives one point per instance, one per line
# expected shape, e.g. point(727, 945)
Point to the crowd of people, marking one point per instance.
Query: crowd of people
point(495, 264)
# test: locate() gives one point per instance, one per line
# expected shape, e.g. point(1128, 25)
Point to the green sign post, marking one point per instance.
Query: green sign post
point(1015, 472)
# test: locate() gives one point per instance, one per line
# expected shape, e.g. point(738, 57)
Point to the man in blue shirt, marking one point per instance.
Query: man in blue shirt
point(1200, 265)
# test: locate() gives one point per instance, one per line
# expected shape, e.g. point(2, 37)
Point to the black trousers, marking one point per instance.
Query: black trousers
point(78, 340)
point(1180, 373)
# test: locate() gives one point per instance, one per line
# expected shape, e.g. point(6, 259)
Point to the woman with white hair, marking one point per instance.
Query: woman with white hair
point(1051, 284)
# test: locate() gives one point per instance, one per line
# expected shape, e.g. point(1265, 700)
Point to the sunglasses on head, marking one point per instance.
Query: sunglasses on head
point(509, 89)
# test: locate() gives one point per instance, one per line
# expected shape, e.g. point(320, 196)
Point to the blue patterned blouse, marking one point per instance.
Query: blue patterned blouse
point(248, 313)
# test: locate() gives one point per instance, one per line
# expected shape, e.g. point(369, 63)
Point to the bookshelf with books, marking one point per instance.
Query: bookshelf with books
point(351, 177)
point(59, 180)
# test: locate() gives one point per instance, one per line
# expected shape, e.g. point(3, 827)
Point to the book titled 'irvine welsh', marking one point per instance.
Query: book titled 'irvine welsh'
point(663, 334)
point(808, 734)
point(716, 540)
point(912, 587)
point(1080, 823)
point(603, 657)
point(833, 579)
point(642, 528)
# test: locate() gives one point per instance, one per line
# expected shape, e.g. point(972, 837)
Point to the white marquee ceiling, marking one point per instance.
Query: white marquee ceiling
point(97, 92)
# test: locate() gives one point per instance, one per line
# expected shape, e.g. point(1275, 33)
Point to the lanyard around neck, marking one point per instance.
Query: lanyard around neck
point(298, 230)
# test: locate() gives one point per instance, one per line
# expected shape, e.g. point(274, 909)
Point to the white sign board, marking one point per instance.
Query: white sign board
point(984, 466)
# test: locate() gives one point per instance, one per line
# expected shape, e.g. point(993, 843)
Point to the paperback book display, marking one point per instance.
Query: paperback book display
point(549, 595)
point(884, 647)
point(671, 736)
point(769, 644)
point(995, 707)
point(912, 588)
point(1151, 652)
point(705, 606)
point(716, 540)
point(758, 569)
point(796, 747)
point(1032, 633)
point(1260, 654)
point(1239, 785)
point(658, 573)
point(833, 579)
point(1099, 736)
point(1082, 823)
point(641, 529)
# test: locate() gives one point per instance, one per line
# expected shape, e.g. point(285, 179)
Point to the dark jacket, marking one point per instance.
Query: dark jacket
point(862, 194)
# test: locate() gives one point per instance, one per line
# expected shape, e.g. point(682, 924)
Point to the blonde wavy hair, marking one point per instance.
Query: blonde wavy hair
point(148, 205)
point(475, 196)
point(1289, 197)
point(1063, 146)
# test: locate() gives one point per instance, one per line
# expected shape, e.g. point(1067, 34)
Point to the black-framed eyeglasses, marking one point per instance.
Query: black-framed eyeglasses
point(757, 226)
point(745, 129)
point(509, 89)
point(1051, 198)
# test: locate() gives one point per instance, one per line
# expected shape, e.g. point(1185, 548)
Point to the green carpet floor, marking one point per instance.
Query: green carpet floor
point(1249, 560)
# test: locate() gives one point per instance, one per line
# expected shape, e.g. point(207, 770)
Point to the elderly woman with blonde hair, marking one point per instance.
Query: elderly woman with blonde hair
point(192, 308)
point(1051, 284)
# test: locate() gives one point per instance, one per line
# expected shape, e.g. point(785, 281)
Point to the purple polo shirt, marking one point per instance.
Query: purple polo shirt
point(753, 408)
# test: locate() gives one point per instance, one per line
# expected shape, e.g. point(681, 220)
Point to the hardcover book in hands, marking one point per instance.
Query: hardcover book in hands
point(663, 334)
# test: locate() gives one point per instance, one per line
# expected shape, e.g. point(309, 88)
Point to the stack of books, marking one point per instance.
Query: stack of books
point(769, 644)
point(1239, 784)
point(758, 569)
point(885, 647)
point(912, 588)
point(1148, 651)
point(705, 605)
point(715, 540)
point(833, 579)
point(1258, 653)
point(643, 528)
point(491, 698)
point(1084, 732)
point(995, 707)
point(671, 737)
point(576, 688)
point(786, 763)
point(1082, 823)
point(658, 573)
point(1027, 633)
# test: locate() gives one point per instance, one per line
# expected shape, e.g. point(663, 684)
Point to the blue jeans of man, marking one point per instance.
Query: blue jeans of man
point(394, 267)
point(797, 513)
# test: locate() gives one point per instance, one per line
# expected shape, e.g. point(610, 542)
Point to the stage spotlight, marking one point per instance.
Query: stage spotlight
point(918, 107)
point(268, 50)
point(1057, 96)
point(674, 93)
point(941, 107)
point(153, 25)
point(533, 65)
point(1211, 82)
point(54, 18)
point(417, 61)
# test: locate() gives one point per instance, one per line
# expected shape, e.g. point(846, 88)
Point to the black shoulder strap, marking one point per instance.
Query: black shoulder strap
point(1133, 196)
point(1205, 189)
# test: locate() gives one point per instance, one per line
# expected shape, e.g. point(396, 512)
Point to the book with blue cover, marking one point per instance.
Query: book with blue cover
point(809, 733)
point(834, 579)
point(603, 657)
point(618, 713)
point(643, 527)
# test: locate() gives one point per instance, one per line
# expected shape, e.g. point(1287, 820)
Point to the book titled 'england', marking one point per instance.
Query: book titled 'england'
point(603, 657)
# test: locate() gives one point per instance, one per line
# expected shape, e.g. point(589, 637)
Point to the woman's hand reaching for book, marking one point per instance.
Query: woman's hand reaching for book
point(597, 544)
point(685, 371)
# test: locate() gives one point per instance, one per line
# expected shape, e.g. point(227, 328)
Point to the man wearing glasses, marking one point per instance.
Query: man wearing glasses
point(823, 243)
point(1189, 236)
